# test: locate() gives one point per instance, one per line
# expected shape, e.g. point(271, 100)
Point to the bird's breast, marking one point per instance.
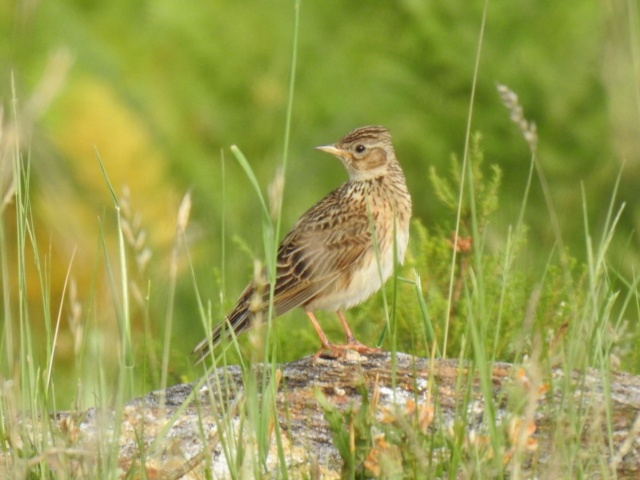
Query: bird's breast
point(367, 275)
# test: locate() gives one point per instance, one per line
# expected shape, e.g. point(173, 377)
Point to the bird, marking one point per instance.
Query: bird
point(340, 251)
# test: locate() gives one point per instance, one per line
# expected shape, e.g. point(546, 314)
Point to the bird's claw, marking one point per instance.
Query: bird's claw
point(331, 351)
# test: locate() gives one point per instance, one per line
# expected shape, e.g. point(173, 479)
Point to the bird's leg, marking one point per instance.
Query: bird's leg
point(351, 340)
point(352, 343)
point(326, 345)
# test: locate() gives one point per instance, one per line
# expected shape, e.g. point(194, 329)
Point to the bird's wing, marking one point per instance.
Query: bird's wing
point(325, 241)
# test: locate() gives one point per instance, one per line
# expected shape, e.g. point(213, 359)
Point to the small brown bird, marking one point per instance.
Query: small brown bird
point(342, 249)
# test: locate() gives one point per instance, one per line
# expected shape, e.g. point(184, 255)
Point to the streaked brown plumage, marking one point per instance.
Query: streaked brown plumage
point(341, 250)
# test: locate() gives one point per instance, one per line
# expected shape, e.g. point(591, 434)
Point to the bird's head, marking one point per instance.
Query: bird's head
point(365, 152)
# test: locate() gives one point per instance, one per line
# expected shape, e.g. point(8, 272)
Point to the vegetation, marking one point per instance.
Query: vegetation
point(110, 272)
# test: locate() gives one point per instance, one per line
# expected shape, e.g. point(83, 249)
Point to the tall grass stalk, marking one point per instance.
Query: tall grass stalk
point(478, 315)
point(465, 162)
point(529, 133)
point(58, 321)
point(181, 226)
point(26, 391)
point(21, 181)
point(21, 396)
point(124, 369)
point(258, 423)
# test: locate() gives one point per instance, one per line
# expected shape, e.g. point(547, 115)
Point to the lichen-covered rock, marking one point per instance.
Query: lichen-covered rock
point(223, 425)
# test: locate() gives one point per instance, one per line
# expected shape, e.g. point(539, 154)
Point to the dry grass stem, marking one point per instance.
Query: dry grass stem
point(528, 129)
point(276, 189)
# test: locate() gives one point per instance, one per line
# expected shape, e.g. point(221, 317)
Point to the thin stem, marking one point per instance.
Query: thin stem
point(465, 161)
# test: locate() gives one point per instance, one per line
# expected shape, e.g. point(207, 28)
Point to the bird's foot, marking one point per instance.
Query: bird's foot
point(359, 347)
point(354, 345)
point(329, 351)
point(332, 351)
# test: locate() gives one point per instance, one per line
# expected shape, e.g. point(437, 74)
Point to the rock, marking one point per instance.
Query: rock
point(221, 426)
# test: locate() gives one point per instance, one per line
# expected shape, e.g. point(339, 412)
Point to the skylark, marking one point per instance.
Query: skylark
point(341, 250)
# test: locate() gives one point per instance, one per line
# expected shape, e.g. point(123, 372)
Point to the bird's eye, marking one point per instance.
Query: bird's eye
point(360, 148)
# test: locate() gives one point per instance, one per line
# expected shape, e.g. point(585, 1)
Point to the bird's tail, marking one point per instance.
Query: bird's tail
point(238, 321)
point(236, 325)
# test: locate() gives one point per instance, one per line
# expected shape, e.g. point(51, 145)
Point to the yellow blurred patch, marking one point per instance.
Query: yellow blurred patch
point(72, 203)
point(92, 117)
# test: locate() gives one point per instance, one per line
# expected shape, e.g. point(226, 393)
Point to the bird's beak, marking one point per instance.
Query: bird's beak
point(333, 150)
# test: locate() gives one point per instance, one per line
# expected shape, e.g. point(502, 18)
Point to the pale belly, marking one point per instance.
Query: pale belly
point(364, 281)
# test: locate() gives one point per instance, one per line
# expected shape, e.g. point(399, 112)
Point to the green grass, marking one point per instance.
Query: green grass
point(569, 316)
point(480, 302)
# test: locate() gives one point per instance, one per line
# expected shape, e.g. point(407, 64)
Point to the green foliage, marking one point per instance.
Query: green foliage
point(484, 195)
point(165, 90)
point(162, 90)
point(376, 444)
point(411, 439)
point(516, 309)
point(351, 432)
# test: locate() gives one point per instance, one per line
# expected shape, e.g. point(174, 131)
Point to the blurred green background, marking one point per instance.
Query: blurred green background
point(162, 88)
